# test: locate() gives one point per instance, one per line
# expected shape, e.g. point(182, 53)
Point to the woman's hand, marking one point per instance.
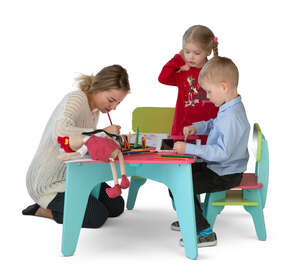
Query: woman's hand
point(113, 129)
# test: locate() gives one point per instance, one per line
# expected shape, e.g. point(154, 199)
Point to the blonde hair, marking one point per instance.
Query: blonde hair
point(203, 36)
point(220, 69)
point(111, 77)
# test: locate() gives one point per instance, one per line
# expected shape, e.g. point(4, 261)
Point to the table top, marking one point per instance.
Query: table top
point(149, 158)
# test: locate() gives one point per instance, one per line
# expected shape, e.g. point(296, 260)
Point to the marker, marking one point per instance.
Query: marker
point(144, 141)
point(137, 137)
point(125, 141)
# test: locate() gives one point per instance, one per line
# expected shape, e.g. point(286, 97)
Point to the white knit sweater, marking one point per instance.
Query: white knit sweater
point(46, 174)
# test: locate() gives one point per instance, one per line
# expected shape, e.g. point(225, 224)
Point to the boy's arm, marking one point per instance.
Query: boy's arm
point(203, 127)
point(168, 75)
point(228, 136)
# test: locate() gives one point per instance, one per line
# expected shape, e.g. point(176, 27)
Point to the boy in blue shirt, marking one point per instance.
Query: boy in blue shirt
point(225, 154)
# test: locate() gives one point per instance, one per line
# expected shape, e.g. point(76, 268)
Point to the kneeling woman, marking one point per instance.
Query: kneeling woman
point(78, 112)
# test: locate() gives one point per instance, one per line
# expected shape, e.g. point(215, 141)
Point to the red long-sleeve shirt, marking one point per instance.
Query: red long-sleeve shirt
point(192, 104)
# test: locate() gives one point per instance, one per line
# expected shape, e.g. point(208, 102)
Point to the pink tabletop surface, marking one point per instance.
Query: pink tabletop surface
point(150, 158)
point(181, 137)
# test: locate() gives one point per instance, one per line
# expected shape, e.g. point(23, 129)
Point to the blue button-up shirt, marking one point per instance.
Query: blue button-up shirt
point(226, 149)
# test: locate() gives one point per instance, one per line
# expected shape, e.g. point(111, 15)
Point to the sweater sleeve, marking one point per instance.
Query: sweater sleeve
point(66, 125)
point(168, 75)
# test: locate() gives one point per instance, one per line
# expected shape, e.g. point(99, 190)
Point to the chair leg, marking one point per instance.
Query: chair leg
point(135, 184)
point(259, 221)
point(210, 211)
point(204, 209)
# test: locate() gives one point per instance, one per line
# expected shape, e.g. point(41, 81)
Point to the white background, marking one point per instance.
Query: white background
point(45, 43)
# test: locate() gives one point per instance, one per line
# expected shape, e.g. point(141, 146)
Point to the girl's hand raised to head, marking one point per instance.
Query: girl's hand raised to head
point(185, 67)
point(113, 129)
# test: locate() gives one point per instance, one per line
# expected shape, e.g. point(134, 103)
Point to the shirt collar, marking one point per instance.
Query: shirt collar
point(231, 103)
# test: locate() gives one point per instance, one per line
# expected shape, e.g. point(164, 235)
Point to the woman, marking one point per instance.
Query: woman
point(78, 112)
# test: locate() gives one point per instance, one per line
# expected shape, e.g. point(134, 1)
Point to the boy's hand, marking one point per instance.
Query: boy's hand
point(179, 147)
point(189, 131)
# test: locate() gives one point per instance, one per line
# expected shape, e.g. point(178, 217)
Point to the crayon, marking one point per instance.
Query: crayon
point(176, 156)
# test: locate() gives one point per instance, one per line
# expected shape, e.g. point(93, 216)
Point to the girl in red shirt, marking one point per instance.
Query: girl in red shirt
point(182, 71)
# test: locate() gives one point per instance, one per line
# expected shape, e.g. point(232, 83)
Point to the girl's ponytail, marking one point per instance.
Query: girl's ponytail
point(215, 47)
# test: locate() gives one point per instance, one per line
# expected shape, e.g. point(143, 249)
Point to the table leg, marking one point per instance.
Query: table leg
point(182, 190)
point(178, 178)
point(80, 180)
point(135, 184)
point(74, 210)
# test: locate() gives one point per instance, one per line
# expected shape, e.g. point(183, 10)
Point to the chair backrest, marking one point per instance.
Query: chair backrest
point(152, 119)
point(262, 161)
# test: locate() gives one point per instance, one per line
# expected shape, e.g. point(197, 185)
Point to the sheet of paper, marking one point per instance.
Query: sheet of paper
point(152, 139)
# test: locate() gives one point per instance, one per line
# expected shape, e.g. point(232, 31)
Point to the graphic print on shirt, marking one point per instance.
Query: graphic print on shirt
point(193, 95)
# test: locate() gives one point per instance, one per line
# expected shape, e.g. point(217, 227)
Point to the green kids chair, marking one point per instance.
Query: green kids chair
point(148, 120)
point(252, 192)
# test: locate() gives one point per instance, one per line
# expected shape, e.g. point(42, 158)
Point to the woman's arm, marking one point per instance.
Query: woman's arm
point(66, 125)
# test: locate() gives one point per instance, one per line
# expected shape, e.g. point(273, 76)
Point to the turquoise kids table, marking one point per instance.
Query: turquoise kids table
point(83, 178)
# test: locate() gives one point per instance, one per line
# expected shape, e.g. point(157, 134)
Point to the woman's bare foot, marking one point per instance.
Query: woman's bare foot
point(41, 212)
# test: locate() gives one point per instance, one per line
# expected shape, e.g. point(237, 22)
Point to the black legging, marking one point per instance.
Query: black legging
point(97, 210)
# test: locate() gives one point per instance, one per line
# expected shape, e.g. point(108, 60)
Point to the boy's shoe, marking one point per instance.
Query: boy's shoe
point(175, 226)
point(205, 241)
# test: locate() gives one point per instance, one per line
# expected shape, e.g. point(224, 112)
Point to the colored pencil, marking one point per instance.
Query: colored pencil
point(138, 152)
point(175, 156)
point(109, 118)
point(171, 158)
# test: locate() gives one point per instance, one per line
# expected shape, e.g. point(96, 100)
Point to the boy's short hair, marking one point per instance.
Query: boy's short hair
point(220, 69)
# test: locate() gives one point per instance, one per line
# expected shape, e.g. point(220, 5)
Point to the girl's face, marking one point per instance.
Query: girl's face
point(107, 100)
point(194, 55)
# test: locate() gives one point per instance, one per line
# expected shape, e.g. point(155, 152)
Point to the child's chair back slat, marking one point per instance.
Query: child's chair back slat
point(262, 162)
point(263, 170)
point(152, 119)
